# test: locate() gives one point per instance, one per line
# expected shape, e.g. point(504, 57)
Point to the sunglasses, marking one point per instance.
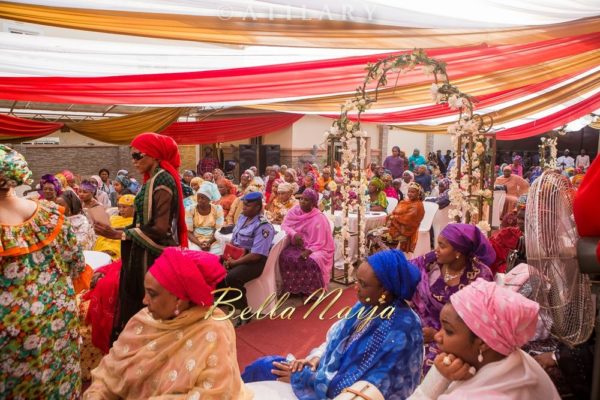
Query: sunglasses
point(137, 156)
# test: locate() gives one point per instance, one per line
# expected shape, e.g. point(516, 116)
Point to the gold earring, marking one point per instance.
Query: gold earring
point(457, 256)
point(382, 299)
point(367, 300)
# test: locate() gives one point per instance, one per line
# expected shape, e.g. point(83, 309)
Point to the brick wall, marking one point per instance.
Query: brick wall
point(88, 160)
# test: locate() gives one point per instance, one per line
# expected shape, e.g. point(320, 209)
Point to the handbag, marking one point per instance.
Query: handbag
point(361, 390)
point(233, 251)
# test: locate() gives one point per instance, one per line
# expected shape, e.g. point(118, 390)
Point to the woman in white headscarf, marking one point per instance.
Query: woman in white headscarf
point(204, 219)
point(407, 178)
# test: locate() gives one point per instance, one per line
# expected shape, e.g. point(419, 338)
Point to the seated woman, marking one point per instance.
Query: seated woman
point(389, 189)
point(95, 211)
point(50, 187)
point(124, 219)
point(505, 240)
point(332, 197)
point(203, 220)
point(246, 180)
point(170, 349)
point(291, 177)
point(482, 329)
point(324, 179)
point(80, 224)
point(308, 182)
point(385, 352)
point(190, 201)
point(121, 185)
point(378, 200)
point(101, 195)
point(237, 207)
point(228, 194)
point(273, 176)
point(515, 187)
point(407, 178)
point(306, 263)
point(462, 255)
point(277, 209)
point(442, 199)
point(403, 223)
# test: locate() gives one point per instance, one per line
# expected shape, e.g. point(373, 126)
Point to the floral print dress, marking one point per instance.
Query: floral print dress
point(39, 328)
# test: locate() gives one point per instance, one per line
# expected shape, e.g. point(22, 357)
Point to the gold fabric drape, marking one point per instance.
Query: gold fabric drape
point(595, 125)
point(284, 32)
point(475, 85)
point(529, 107)
point(121, 130)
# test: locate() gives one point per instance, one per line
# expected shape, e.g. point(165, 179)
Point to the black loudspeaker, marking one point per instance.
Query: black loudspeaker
point(247, 156)
point(270, 154)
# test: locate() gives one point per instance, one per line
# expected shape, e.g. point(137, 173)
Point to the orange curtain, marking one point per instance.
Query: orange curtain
point(283, 32)
point(122, 130)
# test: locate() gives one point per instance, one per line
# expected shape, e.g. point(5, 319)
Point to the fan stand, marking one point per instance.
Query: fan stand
point(588, 264)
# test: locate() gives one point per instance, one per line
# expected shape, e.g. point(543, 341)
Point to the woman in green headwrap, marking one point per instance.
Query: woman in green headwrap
point(39, 259)
point(378, 200)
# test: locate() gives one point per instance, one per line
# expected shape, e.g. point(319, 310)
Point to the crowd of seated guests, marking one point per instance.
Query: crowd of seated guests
point(453, 326)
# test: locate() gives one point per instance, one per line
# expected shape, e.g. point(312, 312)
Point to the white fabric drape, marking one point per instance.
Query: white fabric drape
point(416, 14)
point(24, 55)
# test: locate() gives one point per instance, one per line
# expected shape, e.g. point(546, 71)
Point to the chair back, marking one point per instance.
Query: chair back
point(498, 205)
point(96, 259)
point(430, 210)
point(392, 203)
point(440, 220)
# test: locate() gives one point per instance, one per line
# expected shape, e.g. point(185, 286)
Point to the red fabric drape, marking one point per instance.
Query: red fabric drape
point(13, 127)
point(552, 121)
point(294, 80)
point(228, 129)
point(441, 110)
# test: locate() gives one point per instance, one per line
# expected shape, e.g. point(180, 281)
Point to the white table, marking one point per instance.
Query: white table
point(373, 219)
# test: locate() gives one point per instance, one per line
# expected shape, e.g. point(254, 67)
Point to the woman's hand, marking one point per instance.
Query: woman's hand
point(457, 370)
point(205, 245)
point(305, 253)
point(95, 278)
point(546, 360)
point(107, 231)
point(298, 241)
point(298, 365)
point(428, 334)
point(283, 371)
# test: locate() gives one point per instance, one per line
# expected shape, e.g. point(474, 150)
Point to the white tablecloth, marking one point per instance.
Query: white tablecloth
point(372, 220)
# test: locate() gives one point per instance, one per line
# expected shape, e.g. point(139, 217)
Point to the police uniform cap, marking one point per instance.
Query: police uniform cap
point(252, 196)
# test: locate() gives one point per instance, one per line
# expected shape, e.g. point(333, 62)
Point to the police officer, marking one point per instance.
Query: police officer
point(254, 234)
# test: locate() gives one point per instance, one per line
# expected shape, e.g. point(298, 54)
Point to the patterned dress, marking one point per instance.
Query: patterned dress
point(433, 293)
point(39, 328)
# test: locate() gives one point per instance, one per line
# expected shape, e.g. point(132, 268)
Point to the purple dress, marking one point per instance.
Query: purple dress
point(433, 293)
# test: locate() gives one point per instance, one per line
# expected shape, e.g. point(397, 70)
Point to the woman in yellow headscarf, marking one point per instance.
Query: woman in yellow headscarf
point(123, 219)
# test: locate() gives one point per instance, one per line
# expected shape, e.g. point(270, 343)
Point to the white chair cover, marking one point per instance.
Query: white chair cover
point(392, 203)
point(423, 242)
point(96, 259)
point(257, 290)
point(21, 189)
point(499, 199)
point(440, 220)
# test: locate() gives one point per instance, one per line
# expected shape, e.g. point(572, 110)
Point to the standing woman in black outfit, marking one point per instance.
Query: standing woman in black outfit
point(159, 220)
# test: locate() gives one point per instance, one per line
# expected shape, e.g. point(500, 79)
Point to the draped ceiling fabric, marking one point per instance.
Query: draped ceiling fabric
point(20, 128)
point(422, 14)
point(227, 129)
point(265, 84)
point(121, 130)
point(536, 60)
point(247, 30)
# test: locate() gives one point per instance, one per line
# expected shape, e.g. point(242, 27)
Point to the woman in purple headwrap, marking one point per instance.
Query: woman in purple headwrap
point(50, 187)
point(306, 263)
point(462, 255)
